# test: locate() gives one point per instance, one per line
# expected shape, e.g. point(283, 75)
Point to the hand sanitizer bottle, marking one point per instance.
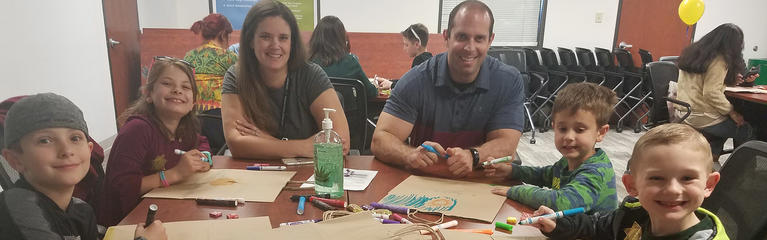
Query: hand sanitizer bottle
point(329, 159)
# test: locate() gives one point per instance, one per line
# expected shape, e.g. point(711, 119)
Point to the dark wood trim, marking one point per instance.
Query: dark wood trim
point(210, 6)
point(617, 25)
point(439, 18)
point(318, 13)
point(109, 56)
point(542, 23)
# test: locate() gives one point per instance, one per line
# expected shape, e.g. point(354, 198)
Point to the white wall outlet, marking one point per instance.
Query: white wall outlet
point(598, 17)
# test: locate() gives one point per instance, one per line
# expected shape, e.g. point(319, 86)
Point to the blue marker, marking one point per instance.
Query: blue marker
point(301, 202)
point(555, 215)
point(431, 149)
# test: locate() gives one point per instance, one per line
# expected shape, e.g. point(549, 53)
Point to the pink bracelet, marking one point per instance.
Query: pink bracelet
point(162, 179)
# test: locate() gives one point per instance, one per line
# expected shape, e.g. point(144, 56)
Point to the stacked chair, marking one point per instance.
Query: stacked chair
point(557, 77)
point(533, 82)
point(636, 89)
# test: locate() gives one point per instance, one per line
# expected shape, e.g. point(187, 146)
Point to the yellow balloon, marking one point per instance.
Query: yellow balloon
point(690, 11)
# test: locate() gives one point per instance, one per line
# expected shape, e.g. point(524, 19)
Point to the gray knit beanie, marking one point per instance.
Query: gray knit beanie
point(44, 110)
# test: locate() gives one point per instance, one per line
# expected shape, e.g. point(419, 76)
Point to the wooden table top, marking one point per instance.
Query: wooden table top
point(753, 97)
point(283, 210)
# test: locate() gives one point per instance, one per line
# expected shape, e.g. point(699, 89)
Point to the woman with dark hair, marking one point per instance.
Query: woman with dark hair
point(705, 68)
point(330, 48)
point(211, 59)
point(273, 97)
point(414, 38)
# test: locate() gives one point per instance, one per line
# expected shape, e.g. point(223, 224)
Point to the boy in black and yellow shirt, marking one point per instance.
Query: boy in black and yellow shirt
point(670, 172)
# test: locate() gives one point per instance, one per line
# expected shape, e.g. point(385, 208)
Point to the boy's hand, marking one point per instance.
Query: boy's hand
point(544, 224)
point(419, 157)
point(189, 164)
point(155, 231)
point(460, 161)
point(497, 170)
point(500, 190)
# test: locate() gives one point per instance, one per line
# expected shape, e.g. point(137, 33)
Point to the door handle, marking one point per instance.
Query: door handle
point(113, 43)
point(624, 45)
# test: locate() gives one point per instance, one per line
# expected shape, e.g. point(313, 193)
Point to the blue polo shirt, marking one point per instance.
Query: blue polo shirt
point(426, 97)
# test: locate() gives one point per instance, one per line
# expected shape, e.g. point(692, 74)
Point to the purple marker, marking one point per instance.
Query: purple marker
point(367, 207)
point(387, 221)
point(395, 209)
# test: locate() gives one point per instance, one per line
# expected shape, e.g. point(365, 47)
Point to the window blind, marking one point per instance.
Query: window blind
point(516, 21)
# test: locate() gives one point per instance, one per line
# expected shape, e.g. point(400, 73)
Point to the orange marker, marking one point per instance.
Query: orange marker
point(482, 231)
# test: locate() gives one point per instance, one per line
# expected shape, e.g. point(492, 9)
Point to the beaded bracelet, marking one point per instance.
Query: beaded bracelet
point(162, 179)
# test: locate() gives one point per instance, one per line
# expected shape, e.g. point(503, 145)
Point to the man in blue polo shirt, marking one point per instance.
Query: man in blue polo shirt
point(461, 103)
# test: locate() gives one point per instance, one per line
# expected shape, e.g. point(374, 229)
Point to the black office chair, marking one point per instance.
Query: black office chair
point(673, 59)
point(662, 73)
point(7, 175)
point(738, 199)
point(646, 57)
point(355, 107)
point(594, 72)
point(533, 82)
point(636, 89)
point(568, 60)
point(613, 76)
point(212, 128)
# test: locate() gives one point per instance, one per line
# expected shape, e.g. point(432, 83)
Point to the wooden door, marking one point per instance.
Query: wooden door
point(653, 25)
point(121, 22)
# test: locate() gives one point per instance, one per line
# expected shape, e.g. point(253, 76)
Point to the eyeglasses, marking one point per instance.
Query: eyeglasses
point(172, 60)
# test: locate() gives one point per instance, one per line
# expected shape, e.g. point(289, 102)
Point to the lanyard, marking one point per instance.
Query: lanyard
point(284, 106)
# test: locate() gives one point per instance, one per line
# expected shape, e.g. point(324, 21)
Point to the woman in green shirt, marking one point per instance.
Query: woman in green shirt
point(329, 47)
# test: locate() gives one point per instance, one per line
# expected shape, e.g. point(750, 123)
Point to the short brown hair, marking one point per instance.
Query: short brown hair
point(590, 97)
point(470, 4)
point(667, 134)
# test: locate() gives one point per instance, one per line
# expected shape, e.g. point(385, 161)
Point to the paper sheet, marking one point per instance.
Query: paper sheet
point(451, 197)
point(243, 228)
point(354, 179)
point(353, 227)
point(253, 186)
point(745, 89)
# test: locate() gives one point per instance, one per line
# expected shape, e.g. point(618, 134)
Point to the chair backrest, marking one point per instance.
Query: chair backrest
point(355, 107)
point(673, 59)
point(549, 58)
point(212, 128)
point(515, 58)
point(7, 174)
point(625, 61)
point(661, 74)
point(605, 58)
point(646, 57)
point(738, 199)
point(567, 57)
point(586, 59)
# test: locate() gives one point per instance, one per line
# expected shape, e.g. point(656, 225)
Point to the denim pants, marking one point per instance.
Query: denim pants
point(719, 133)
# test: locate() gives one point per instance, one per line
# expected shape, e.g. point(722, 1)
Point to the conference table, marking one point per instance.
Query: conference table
point(759, 98)
point(284, 210)
point(753, 107)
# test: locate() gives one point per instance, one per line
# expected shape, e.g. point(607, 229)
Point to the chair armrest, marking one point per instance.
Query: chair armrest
point(682, 103)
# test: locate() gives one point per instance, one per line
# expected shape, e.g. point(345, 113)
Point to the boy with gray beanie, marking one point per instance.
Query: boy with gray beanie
point(45, 141)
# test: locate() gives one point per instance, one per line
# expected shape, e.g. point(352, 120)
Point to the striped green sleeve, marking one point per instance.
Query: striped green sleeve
point(587, 189)
point(538, 176)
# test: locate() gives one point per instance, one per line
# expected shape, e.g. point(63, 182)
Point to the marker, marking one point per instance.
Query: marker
point(204, 159)
point(331, 202)
point(395, 209)
point(481, 231)
point(397, 217)
point(295, 198)
point(224, 202)
point(301, 201)
point(504, 226)
point(386, 221)
point(300, 222)
point(431, 149)
point(511, 220)
point(381, 216)
point(261, 164)
point(497, 160)
point(552, 215)
point(150, 214)
point(266, 168)
point(321, 205)
point(442, 226)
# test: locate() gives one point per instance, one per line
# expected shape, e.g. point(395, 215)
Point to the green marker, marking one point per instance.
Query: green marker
point(497, 160)
point(504, 226)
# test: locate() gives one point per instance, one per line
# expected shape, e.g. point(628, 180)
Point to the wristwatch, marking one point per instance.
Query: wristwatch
point(474, 158)
point(139, 238)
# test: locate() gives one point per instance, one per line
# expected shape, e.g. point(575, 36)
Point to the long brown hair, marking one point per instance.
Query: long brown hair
point(726, 40)
point(329, 43)
point(250, 86)
point(188, 126)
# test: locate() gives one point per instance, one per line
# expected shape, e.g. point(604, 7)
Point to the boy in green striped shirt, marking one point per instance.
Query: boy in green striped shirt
point(584, 176)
